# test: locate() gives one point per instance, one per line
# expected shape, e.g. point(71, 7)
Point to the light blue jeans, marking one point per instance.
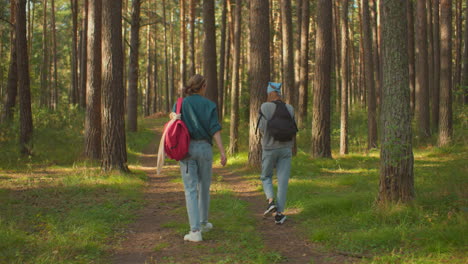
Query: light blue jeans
point(281, 160)
point(196, 172)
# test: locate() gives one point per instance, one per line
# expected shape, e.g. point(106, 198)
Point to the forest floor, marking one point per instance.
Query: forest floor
point(150, 239)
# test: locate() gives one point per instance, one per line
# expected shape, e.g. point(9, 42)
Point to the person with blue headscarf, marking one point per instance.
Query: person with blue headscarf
point(275, 154)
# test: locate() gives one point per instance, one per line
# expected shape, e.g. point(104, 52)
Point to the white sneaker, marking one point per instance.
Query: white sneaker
point(206, 227)
point(193, 236)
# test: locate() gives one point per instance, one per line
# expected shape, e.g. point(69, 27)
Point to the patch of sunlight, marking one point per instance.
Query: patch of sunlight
point(317, 183)
point(136, 153)
point(294, 211)
point(349, 171)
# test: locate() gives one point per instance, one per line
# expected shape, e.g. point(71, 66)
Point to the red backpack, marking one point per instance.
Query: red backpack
point(175, 139)
point(176, 135)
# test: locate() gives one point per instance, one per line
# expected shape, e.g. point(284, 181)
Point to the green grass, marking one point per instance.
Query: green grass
point(235, 230)
point(335, 200)
point(57, 207)
point(70, 215)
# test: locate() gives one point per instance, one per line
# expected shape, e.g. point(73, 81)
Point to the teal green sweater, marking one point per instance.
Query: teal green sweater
point(200, 116)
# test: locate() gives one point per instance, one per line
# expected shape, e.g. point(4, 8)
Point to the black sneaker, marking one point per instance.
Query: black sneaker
point(271, 208)
point(280, 218)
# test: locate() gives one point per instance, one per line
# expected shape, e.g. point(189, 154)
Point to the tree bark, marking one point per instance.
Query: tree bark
point(288, 87)
point(12, 83)
point(344, 78)
point(458, 46)
point(422, 86)
point(45, 59)
point(222, 59)
point(24, 90)
point(375, 48)
point(166, 62)
point(54, 90)
point(209, 51)
point(396, 163)
point(445, 108)
point(465, 58)
point(297, 48)
point(259, 72)
point(303, 99)
point(182, 49)
point(321, 146)
point(234, 127)
point(430, 53)
point(149, 72)
point(114, 152)
point(436, 68)
point(193, 4)
point(411, 55)
point(83, 54)
point(132, 94)
point(74, 54)
point(93, 128)
point(369, 75)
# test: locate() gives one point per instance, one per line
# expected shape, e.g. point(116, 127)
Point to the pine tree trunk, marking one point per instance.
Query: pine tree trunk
point(132, 94)
point(321, 145)
point(12, 83)
point(172, 69)
point(157, 88)
point(369, 75)
point(234, 127)
point(430, 52)
point(166, 60)
point(209, 51)
point(288, 55)
point(149, 73)
point(396, 163)
point(411, 56)
point(436, 68)
point(182, 50)
point(375, 49)
point(297, 48)
point(422, 86)
point(114, 152)
point(74, 54)
point(259, 72)
point(344, 78)
point(222, 59)
point(54, 91)
point(465, 58)
point(24, 90)
point(303, 99)
point(193, 4)
point(45, 58)
point(458, 46)
point(445, 108)
point(336, 54)
point(83, 54)
point(93, 128)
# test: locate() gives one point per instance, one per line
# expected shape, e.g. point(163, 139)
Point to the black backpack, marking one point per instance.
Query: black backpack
point(281, 126)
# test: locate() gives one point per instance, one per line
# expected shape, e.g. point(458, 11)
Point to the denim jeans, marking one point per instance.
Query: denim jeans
point(281, 160)
point(196, 172)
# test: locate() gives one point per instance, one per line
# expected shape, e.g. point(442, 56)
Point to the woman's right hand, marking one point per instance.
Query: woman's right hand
point(223, 159)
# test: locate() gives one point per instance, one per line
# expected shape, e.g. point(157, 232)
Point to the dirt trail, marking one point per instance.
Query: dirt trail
point(286, 239)
point(148, 240)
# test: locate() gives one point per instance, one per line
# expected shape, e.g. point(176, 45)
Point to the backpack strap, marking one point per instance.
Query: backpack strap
point(179, 105)
point(259, 118)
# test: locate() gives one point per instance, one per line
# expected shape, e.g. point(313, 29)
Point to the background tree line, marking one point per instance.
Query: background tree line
point(120, 59)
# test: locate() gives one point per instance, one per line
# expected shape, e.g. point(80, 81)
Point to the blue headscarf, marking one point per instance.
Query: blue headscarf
point(274, 87)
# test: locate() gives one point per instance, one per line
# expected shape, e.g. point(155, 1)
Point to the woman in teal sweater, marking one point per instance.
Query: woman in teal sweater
point(201, 118)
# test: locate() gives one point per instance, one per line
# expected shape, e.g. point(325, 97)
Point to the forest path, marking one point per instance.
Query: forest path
point(150, 240)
